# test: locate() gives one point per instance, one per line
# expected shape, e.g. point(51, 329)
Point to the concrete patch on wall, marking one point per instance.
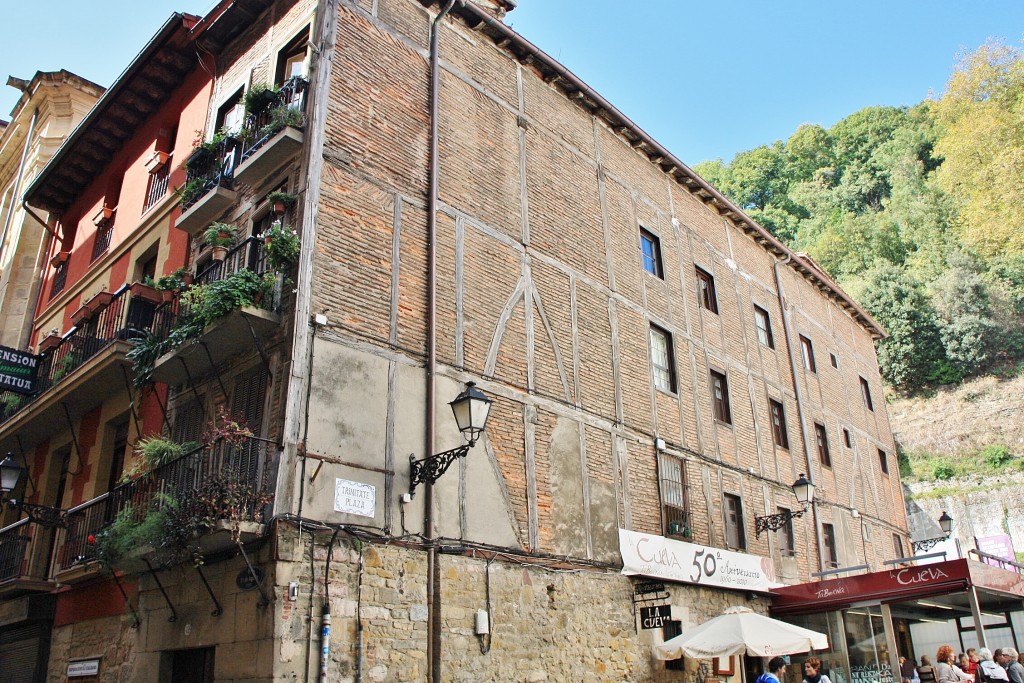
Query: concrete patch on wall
point(563, 453)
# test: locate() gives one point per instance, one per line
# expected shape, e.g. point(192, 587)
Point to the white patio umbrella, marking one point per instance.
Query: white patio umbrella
point(739, 630)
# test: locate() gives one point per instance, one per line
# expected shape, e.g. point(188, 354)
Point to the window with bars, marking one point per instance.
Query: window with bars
point(779, 431)
point(828, 533)
point(60, 279)
point(786, 537)
point(865, 390)
point(735, 536)
point(103, 233)
point(650, 251)
point(764, 327)
point(706, 290)
point(674, 504)
point(808, 352)
point(662, 359)
point(720, 397)
point(822, 438)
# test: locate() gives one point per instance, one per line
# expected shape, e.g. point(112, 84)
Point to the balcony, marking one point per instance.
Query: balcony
point(208, 192)
point(226, 482)
point(227, 336)
point(24, 555)
point(82, 369)
point(274, 135)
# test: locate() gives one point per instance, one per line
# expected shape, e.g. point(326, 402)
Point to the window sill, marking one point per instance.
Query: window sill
point(667, 392)
point(727, 425)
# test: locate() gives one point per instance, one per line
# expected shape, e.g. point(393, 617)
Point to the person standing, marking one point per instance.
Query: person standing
point(1014, 669)
point(944, 665)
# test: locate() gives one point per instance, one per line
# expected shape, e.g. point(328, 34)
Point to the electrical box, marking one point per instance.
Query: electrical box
point(483, 622)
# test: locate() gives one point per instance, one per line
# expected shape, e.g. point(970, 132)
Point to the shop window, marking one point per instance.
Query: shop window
point(883, 461)
point(865, 391)
point(779, 431)
point(291, 60)
point(828, 534)
point(650, 251)
point(706, 290)
point(735, 536)
point(720, 397)
point(822, 438)
point(764, 327)
point(786, 537)
point(672, 477)
point(662, 359)
point(808, 352)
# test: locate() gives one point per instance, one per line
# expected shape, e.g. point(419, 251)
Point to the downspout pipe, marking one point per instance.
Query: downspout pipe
point(433, 170)
point(799, 401)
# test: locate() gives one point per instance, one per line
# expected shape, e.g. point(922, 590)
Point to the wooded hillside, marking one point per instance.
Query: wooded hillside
point(918, 212)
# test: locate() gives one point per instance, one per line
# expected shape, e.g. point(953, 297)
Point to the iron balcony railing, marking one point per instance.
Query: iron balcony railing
point(249, 254)
point(14, 544)
point(262, 126)
point(199, 474)
point(158, 183)
point(125, 318)
point(208, 168)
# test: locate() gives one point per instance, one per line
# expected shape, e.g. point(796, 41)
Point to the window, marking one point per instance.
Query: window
point(846, 438)
point(734, 535)
point(670, 630)
point(650, 251)
point(104, 230)
point(706, 290)
point(60, 278)
point(883, 460)
point(720, 397)
point(787, 545)
point(897, 545)
point(231, 114)
point(823, 454)
point(764, 327)
point(291, 61)
point(835, 361)
point(779, 424)
point(662, 360)
point(808, 351)
point(672, 476)
point(118, 435)
point(828, 533)
point(865, 390)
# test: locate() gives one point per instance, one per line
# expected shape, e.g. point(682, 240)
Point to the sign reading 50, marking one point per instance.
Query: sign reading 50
point(705, 564)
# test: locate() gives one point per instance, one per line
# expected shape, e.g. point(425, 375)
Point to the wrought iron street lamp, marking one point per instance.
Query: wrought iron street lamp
point(43, 515)
point(471, 409)
point(803, 489)
point(945, 525)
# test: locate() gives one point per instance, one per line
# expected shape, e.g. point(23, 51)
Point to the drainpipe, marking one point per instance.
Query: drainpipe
point(433, 574)
point(799, 401)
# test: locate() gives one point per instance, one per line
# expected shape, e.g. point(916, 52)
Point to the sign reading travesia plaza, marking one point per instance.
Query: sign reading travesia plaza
point(18, 370)
point(664, 558)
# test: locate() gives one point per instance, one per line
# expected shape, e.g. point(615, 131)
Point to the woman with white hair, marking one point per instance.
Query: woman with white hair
point(1013, 668)
point(989, 671)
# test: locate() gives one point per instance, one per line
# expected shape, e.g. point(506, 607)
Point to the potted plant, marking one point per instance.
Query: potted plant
point(102, 215)
point(220, 236)
point(259, 98)
point(281, 244)
point(156, 161)
point(146, 291)
point(92, 306)
point(281, 201)
point(280, 118)
point(50, 341)
point(60, 257)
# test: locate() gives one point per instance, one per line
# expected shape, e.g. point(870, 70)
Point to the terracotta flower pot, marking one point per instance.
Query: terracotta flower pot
point(59, 258)
point(280, 208)
point(143, 291)
point(102, 215)
point(50, 341)
point(156, 161)
point(219, 253)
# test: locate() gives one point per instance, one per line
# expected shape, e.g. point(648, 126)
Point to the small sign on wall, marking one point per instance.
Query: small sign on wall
point(84, 667)
point(354, 497)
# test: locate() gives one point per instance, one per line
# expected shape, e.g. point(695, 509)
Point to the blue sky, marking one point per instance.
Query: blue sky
point(704, 80)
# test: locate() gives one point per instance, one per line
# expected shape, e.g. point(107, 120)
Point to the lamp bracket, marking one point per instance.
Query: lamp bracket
point(429, 470)
point(927, 544)
point(43, 515)
point(776, 521)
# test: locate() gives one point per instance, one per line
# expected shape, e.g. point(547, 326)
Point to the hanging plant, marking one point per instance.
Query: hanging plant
point(281, 245)
point(220, 235)
point(281, 201)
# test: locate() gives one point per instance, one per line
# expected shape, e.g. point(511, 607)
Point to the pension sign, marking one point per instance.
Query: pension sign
point(18, 371)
